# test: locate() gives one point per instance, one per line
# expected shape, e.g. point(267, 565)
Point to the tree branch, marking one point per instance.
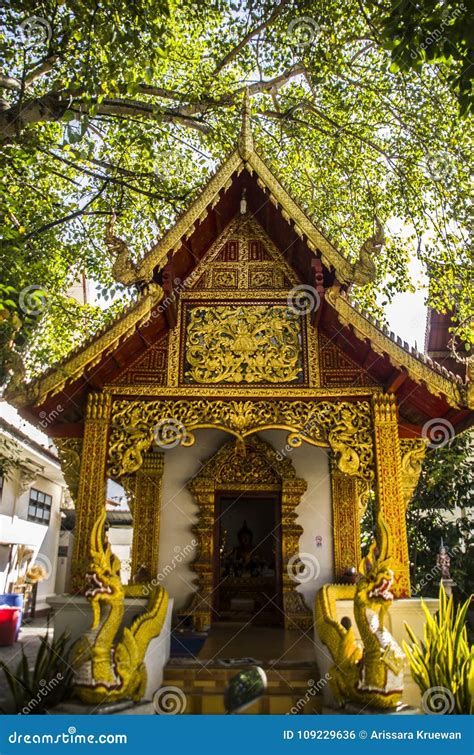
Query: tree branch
point(9, 82)
point(248, 37)
point(53, 107)
point(45, 67)
point(67, 218)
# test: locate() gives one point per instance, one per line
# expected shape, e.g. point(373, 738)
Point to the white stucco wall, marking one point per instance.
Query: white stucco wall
point(41, 538)
point(179, 513)
point(120, 539)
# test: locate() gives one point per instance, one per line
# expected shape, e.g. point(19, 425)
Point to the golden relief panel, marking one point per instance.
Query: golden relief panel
point(243, 344)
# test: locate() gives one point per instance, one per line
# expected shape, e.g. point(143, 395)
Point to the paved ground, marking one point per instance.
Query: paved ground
point(29, 639)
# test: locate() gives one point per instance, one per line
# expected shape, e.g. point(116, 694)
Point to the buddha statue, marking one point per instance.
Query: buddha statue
point(243, 559)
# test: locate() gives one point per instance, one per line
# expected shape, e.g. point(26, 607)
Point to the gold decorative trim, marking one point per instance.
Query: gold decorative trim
point(261, 468)
point(243, 344)
point(198, 210)
point(146, 517)
point(413, 452)
point(69, 455)
point(150, 390)
point(391, 504)
point(421, 373)
point(92, 482)
point(344, 426)
point(346, 515)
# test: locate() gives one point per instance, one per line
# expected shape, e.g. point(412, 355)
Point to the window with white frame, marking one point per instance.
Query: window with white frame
point(39, 507)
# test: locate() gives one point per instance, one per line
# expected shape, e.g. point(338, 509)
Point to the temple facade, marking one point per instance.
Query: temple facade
point(248, 409)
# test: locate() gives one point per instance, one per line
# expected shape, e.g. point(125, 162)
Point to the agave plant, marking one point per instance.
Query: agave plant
point(41, 688)
point(442, 665)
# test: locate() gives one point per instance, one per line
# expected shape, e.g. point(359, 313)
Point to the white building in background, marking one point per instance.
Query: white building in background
point(36, 514)
point(31, 496)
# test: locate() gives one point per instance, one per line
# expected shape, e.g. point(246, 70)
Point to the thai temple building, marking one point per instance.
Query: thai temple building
point(251, 412)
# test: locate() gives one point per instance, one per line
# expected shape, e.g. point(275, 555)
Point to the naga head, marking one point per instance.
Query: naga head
point(373, 587)
point(103, 581)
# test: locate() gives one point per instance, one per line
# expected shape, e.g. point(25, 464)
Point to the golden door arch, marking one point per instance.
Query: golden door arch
point(257, 467)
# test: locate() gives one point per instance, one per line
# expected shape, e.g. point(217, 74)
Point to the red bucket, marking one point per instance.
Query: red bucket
point(9, 618)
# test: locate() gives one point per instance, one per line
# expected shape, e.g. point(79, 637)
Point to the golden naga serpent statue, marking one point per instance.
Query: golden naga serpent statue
point(371, 674)
point(105, 671)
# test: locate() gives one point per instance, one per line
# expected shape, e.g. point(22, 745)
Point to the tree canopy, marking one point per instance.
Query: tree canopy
point(119, 108)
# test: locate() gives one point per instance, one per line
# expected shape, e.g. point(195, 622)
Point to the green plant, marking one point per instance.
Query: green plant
point(40, 689)
point(443, 665)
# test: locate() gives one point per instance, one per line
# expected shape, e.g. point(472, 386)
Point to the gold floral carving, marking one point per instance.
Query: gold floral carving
point(146, 516)
point(243, 257)
point(69, 454)
point(92, 482)
point(413, 452)
point(245, 343)
point(390, 498)
point(242, 274)
point(260, 468)
point(346, 521)
point(344, 426)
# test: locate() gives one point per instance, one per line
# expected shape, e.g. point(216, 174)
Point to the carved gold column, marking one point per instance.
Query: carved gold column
point(92, 481)
point(69, 455)
point(296, 611)
point(203, 490)
point(146, 516)
point(345, 521)
point(413, 452)
point(390, 499)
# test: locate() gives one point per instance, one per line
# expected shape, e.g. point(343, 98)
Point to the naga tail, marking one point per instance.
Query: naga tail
point(339, 639)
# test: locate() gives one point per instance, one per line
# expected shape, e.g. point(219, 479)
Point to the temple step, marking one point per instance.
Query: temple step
point(291, 688)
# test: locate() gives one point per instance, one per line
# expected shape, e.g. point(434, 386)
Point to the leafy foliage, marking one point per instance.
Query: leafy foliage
point(125, 108)
point(40, 689)
point(436, 32)
point(441, 508)
point(442, 664)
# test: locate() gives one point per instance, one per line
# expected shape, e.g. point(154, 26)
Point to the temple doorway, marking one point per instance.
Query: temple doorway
point(247, 568)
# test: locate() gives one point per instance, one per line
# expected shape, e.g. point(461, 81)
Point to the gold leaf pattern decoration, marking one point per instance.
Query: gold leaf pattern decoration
point(243, 344)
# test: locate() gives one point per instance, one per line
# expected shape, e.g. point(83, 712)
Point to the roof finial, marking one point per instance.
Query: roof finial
point(246, 138)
